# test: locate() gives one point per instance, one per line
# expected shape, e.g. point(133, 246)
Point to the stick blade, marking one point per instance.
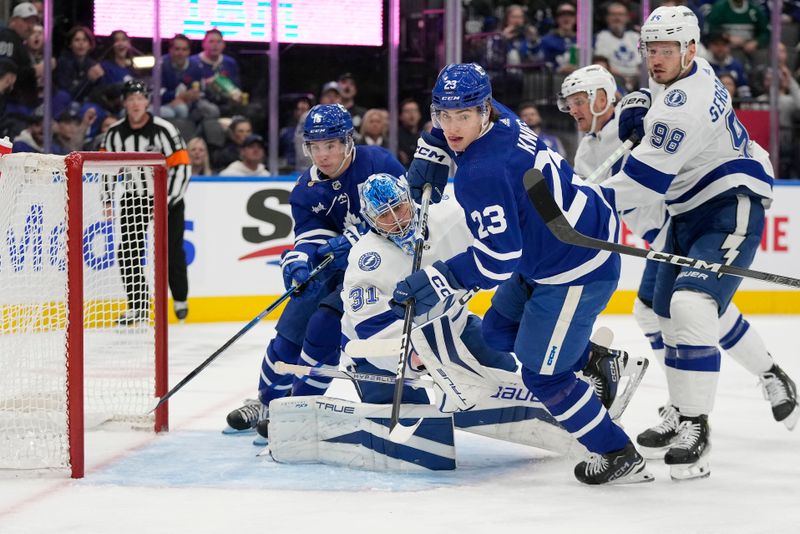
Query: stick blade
point(540, 196)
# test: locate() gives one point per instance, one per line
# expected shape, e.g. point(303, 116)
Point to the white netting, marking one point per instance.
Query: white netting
point(119, 338)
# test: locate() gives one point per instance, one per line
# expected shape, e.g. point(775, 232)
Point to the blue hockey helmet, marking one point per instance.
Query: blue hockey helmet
point(382, 194)
point(327, 121)
point(461, 85)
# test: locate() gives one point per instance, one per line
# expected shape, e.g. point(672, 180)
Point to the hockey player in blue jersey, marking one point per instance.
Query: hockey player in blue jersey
point(695, 156)
point(570, 285)
point(584, 95)
point(325, 209)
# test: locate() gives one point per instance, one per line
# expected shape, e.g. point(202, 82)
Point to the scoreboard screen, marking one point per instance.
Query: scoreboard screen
point(332, 22)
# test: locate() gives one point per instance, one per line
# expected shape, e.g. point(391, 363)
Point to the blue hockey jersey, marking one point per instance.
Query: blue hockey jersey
point(322, 208)
point(509, 234)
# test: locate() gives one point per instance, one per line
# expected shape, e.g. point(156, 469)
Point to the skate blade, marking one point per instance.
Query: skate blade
point(792, 418)
point(642, 475)
point(260, 441)
point(230, 431)
point(697, 470)
point(634, 372)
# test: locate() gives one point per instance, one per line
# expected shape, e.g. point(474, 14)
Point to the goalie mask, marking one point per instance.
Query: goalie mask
point(328, 122)
point(387, 207)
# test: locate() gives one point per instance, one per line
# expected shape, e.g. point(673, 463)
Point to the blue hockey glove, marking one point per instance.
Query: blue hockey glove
point(340, 245)
point(427, 287)
point(431, 165)
point(633, 108)
point(296, 271)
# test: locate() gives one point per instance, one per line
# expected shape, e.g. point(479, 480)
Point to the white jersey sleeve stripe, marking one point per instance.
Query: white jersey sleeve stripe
point(502, 256)
point(573, 214)
point(314, 233)
point(502, 277)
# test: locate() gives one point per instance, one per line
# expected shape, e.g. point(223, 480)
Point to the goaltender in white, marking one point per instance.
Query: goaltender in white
point(476, 382)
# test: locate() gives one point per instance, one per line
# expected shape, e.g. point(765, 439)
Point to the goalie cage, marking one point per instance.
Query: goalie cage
point(60, 260)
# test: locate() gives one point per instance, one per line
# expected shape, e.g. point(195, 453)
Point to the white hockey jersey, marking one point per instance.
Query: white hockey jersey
point(694, 148)
point(594, 148)
point(376, 265)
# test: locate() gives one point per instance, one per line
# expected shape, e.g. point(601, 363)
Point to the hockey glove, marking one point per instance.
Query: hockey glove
point(340, 246)
point(427, 287)
point(296, 271)
point(431, 165)
point(633, 108)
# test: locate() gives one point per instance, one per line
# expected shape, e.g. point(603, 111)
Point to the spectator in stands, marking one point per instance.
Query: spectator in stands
point(251, 159)
point(8, 77)
point(721, 60)
point(118, 62)
point(198, 156)
point(96, 142)
point(348, 89)
point(530, 115)
point(558, 48)
point(408, 132)
point(31, 139)
point(20, 27)
point(520, 37)
point(331, 94)
point(619, 44)
point(240, 128)
point(744, 22)
point(286, 135)
point(375, 128)
point(788, 111)
point(67, 134)
point(35, 46)
point(77, 73)
point(220, 74)
point(729, 82)
point(181, 79)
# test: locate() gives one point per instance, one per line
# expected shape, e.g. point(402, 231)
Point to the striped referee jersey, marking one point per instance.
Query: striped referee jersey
point(157, 135)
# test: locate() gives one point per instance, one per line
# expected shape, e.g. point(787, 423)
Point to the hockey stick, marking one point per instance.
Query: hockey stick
point(612, 159)
point(302, 370)
point(397, 432)
point(544, 203)
point(324, 263)
point(378, 348)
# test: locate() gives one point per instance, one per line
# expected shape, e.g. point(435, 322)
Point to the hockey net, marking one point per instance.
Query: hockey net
point(82, 301)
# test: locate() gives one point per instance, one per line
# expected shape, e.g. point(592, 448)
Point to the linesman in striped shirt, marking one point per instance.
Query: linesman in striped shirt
point(140, 131)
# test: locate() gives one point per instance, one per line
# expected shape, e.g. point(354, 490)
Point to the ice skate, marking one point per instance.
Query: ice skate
point(688, 457)
point(181, 309)
point(262, 433)
point(625, 466)
point(781, 393)
point(246, 418)
point(655, 441)
point(612, 373)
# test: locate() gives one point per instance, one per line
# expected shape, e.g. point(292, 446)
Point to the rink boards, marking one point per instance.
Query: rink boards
point(236, 229)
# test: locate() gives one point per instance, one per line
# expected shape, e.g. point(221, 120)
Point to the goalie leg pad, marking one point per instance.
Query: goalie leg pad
point(332, 431)
point(321, 347)
point(460, 376)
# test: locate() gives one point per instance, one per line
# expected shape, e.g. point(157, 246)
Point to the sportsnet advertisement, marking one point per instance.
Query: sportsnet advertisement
point(237, 228)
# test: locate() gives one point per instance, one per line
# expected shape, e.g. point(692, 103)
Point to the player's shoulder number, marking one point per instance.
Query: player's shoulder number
point(492, 220)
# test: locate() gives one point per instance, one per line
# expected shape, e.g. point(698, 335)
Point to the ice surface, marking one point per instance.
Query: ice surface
point(196, 480)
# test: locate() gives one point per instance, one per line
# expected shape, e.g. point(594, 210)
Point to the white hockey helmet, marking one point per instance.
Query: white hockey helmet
point(589, 80)
point(671, 24)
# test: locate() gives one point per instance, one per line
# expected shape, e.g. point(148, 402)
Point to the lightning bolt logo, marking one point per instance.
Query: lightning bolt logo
point(731, 248)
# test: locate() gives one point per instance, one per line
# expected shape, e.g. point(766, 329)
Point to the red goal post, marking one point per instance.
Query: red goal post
point(101, 248)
